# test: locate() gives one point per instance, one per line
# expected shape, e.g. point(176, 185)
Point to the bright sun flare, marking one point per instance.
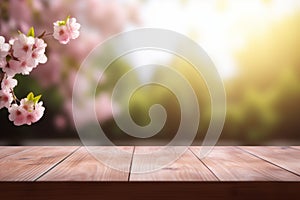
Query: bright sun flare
point(221, 27)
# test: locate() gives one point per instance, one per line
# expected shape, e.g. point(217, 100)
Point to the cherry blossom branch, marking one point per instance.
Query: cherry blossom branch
point(20, 56)
point(16, 100)
point(45, 35)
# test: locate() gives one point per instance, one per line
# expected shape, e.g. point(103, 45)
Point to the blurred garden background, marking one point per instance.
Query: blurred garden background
point(255, 45)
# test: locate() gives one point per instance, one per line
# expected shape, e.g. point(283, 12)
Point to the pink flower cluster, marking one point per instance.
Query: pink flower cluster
point(26, 53)
point(66, 30)
point(27, 112)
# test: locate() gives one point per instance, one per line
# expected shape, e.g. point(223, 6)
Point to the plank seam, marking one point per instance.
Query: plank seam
point(205, 165)
point(56, 164)
point(130, 167)
point(257, 156)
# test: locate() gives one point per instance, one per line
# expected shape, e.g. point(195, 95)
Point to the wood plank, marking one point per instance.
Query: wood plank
point(187, 168)
point(296, 147)
point(149, 158)
point(285, 157)
point(232, 164)
point(82, 166)
point(10, 150)
point(29, 165)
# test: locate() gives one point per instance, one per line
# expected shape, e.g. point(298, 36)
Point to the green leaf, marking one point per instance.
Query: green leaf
point(8, 58)
point(31, 97)
point(36, 99)
point(68, 17)
point(62, 23)
point(31, 32)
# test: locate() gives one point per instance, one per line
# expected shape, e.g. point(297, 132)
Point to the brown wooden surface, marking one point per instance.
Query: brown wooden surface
point(222, 164)
point(11, 150)
point(296, 147)
point(233, 164)
point(186, 168)
point(29, 165)
point(81, 166)
point(285, 157)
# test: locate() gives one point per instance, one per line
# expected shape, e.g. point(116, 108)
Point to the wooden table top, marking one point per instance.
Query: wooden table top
point(224, 163)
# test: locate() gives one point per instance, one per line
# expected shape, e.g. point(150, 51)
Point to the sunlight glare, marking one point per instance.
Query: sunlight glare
point(221, 27)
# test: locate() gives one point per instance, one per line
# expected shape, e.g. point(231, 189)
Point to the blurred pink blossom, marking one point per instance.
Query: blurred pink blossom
point(49, 74)
point(60, 122)
point(90, 40)
point(103, 107)
point(20, 14)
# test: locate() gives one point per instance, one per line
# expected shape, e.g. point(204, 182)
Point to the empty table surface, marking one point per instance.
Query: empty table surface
point(223, 163)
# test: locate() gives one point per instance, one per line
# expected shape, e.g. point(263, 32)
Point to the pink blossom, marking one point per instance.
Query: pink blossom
point(12, 67)
point(27, 105)
point(34, 112)
point(73, 27)
point(19, 67)
point(61, 33)
point(5, 98)
point(4, 47)
point(17, 115)
point(38, 51)
point(12, 40)
point(22, 47)
point(26, 113)
point(37, 113)
point(103, 107)
point(64, 31)
point(8, 83)
point(3, 63)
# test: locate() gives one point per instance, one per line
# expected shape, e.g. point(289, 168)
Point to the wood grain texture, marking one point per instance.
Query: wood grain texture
point(8, 151)
point(296, 147)
point(186, 168)
point(82, 166)
point(32, 163)
point(285, 157)
point(76, 164)
point(232, 164)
